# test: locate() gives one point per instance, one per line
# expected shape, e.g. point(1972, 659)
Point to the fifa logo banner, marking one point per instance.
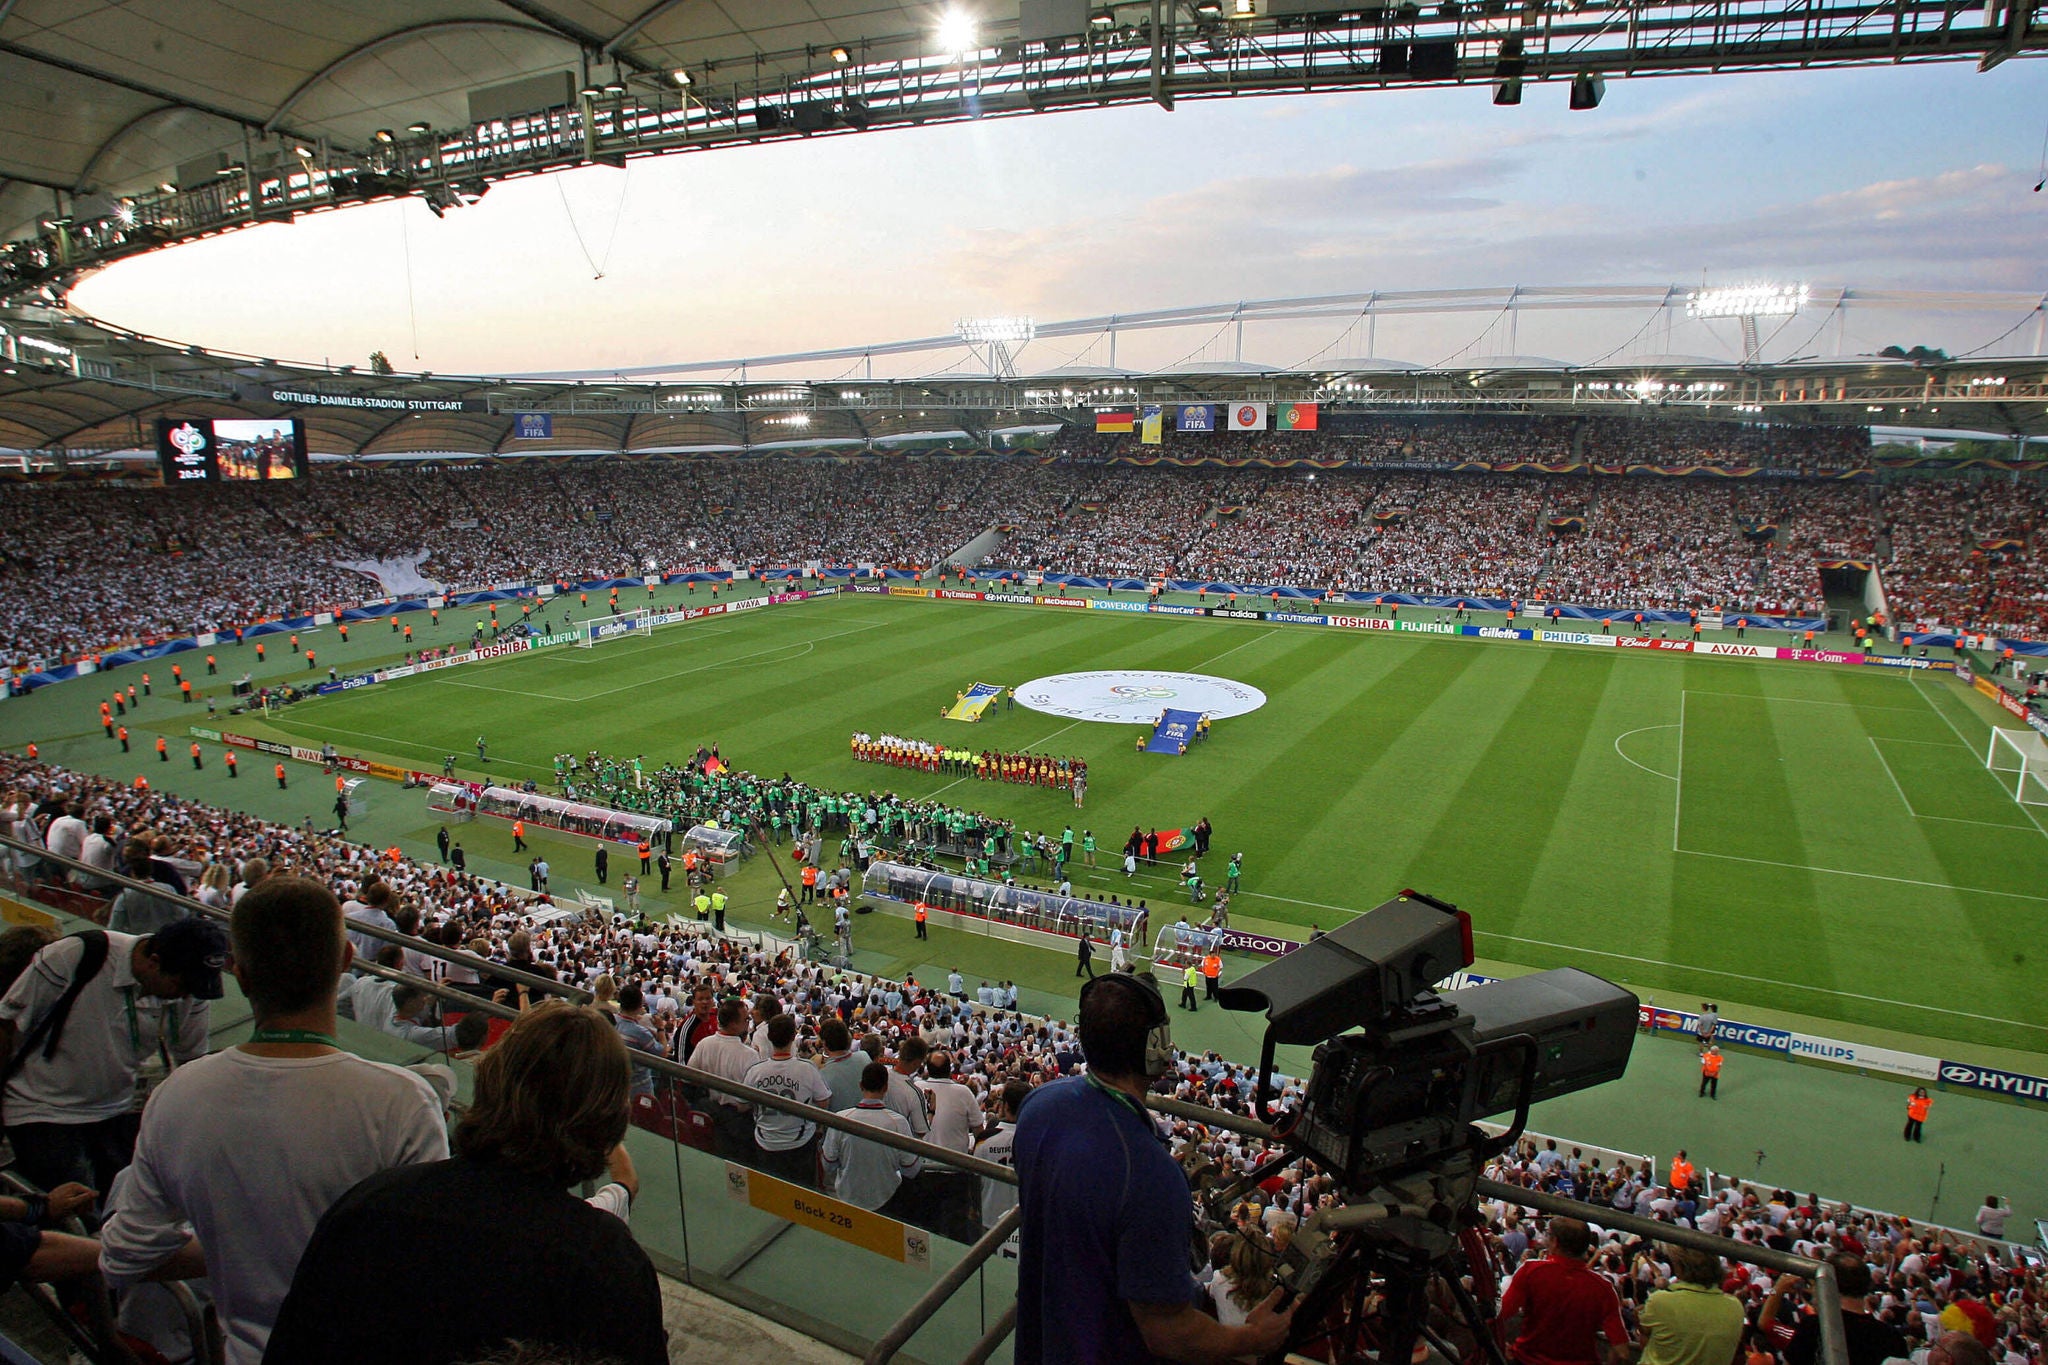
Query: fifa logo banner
point(1197, 417)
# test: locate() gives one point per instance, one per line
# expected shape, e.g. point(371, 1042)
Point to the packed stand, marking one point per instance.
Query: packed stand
point(1968, 553)
point(90, 568)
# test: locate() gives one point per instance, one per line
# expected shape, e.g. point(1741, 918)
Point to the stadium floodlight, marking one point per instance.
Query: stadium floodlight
point(1006, 331)
point(1757, 300)
point(421, 127)
point(680, 76)
point(957, 34)
point(1000, 339)
point(841, 56)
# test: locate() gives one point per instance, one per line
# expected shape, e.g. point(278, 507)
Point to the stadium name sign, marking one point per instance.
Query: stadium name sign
point(367, 400)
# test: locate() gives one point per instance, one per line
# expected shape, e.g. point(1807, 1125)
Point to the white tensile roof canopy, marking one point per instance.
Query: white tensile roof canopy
point(114, 96)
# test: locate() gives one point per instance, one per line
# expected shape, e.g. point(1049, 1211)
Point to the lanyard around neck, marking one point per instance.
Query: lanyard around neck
point(292, 1035)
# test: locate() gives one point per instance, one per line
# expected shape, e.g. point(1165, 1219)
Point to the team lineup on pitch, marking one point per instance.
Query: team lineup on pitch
point(1652, 817)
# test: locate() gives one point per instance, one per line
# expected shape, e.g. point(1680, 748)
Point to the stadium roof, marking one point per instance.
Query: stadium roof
point(118, 95)
point(72, 384)
point(128, 124)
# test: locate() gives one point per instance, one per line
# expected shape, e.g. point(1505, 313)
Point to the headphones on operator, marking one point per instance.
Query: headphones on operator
point(1157, 1056)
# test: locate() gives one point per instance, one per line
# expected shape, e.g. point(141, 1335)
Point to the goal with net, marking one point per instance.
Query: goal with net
point(590, 634)
point(2020, 759)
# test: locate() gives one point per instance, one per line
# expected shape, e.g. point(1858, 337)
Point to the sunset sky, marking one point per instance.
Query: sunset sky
point(1917, 178)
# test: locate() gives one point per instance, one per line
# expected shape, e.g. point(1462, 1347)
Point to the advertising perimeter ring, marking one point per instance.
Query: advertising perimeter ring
point(1122, 696)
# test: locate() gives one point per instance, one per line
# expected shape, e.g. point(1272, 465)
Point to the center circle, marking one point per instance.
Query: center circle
point(1122, 696)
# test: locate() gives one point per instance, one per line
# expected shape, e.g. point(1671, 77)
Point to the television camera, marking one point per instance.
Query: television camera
point(1402, 1074)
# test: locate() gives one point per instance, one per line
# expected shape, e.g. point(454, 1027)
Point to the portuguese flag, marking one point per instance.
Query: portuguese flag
point(1296, 417)
point(1174, 840)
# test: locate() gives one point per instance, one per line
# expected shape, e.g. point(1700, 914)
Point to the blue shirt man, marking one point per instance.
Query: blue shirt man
point(1107, 1219)
point(1104, 1275)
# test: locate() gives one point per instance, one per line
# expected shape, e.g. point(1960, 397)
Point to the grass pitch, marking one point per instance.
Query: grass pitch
point(1821, 840)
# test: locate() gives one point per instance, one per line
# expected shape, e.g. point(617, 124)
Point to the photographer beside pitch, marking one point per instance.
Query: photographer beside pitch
point(1104, 1271)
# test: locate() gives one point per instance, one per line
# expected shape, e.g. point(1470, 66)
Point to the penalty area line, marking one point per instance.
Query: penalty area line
point(1761, 980)
point(1868, 876)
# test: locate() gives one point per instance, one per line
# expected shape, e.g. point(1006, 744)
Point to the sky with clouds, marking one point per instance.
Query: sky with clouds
point(1912, 178)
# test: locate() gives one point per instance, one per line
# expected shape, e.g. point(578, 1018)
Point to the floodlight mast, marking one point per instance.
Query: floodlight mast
point(997, 340)
point(1746, 303)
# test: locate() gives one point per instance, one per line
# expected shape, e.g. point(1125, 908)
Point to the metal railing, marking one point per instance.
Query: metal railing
point(1833, 1343)
point(664, 1066)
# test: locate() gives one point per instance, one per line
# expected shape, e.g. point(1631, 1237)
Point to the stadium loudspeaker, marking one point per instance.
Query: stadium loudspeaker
point(1508, 91)
point(767, 118)
point(1433, 59)
point(856, 113)
point(812, 116)
point(1393, 59)
point(1587, 90)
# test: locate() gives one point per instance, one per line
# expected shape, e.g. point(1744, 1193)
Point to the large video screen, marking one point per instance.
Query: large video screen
point(217, 448)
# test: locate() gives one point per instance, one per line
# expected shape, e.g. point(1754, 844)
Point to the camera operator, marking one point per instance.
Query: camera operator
point(1104, 1270)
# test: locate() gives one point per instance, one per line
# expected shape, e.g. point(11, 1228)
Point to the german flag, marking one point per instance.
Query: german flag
point(1123, 423)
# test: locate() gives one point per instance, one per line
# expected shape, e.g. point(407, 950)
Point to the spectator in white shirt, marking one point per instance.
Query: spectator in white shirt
point(866, 1173)
point(100, 851)
point(373, 908)
point(69, 1107)
point(727, 1053)
point(250, 1146)
point(67, 832)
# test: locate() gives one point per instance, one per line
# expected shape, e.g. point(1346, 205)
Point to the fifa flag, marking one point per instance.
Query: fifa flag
point(1196, 417)
point(1153, 431)
point(1118, 422)
point(1247, 416)
point(1297, 417)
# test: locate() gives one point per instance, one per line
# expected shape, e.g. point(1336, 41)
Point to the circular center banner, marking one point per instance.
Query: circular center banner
point(1136, 696)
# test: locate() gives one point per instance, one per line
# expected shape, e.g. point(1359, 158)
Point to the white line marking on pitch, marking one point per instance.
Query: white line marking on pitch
point(1643, 729)
point(1761, 980)
point(1678, 792)
point(1802, 701)
point(1972, 749)
point(1869, 876)
point(1234, 648)
point(721, 663)
point(1053, 736)
point(1950, 819)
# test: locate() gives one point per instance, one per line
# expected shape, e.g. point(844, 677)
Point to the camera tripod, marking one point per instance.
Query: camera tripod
point(1376, 1279)
point(1372, 1278)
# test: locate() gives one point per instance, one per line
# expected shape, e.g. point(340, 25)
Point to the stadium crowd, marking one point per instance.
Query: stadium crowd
point(90, 568)
point(951, 1063)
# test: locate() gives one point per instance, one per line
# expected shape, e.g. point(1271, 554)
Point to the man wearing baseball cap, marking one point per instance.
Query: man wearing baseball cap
point(75, 1028)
